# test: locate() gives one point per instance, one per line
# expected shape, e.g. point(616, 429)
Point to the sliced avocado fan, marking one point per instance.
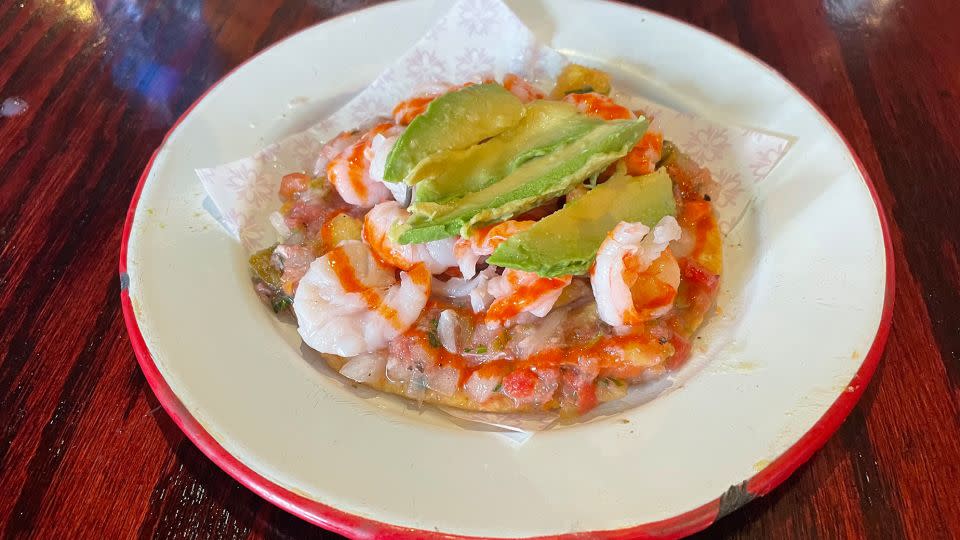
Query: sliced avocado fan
point(567, 241)
point(530, 185)
point(453, 121)
point(454, 173)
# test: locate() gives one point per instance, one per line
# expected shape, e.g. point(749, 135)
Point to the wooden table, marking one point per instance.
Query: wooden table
point(85, 449)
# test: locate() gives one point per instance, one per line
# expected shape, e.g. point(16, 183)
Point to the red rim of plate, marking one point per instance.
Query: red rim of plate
point(678, 526)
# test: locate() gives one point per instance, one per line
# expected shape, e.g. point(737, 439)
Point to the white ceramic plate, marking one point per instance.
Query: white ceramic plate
point(810, 268)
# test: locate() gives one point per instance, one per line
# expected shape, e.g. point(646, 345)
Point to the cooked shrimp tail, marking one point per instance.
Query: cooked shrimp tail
point(635, 277)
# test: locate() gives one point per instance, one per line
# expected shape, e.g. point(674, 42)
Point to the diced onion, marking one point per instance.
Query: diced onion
point(279, 225)
point(481, 388)
point(365, 368)
point(447, 329)
point(541, 335)
point(443, 380)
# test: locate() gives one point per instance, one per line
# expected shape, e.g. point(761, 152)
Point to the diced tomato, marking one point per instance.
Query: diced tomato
point(697, 274)
point(599, 105)
point(453, 272)
point(292, 185)
point(694, 211)
point(586, 397)
point(643, 158)
point(520, 384)
point(578, 385)
point(682, 348)
point(303, 213)
point(521, 88)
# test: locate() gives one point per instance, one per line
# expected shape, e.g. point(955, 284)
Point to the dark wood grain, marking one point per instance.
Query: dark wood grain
point(86, 451)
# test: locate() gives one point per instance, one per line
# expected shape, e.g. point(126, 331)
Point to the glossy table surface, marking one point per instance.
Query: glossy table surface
point(86, 451)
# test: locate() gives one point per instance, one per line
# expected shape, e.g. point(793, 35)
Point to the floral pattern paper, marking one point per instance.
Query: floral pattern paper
point(738, 158)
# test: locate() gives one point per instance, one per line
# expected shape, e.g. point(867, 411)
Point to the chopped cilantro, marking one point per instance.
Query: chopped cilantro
point(481, 350)
point(432, 336)
point(498, 387)
point(584, 90)
point(281, 302)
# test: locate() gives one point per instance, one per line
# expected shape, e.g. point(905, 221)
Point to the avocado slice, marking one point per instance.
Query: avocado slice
point(454, 173)
point(453, 121)
point(567, 241)
point(530, 185)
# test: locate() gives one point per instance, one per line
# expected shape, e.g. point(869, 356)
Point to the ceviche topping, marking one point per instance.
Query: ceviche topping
point(493, 246)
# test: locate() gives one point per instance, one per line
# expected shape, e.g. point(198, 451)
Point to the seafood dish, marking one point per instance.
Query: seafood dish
point(495, 247)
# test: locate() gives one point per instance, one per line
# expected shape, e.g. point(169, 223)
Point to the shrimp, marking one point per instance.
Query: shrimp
point(635, 277)
point(482, 243)
point(408, 109)
point(642, 158)
point(437, 255)
point(519, 87)
point(531, 386)
point(332, 148)
point(349, 171)
point(474, 288)
point(304, 196)
point(599, 105)
point(348, 303)
point(516, 292)
point(292, 186)
point(377, 154)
